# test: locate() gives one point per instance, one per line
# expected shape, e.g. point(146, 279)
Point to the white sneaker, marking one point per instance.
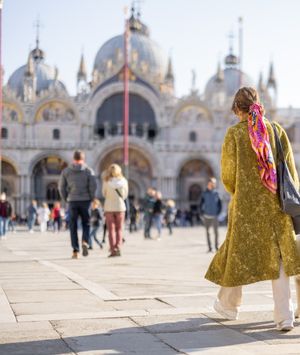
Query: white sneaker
point(285, 326)
point(226, 313)
point(31, 231)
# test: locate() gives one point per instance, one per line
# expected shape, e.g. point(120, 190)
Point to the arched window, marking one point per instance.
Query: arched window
point(140, 113)
point(56, 134)
point(193, 136)
point(52, 192)
point(4, 133)
point(195, 192)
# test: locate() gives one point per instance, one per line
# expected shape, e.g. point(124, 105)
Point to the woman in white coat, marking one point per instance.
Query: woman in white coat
point(43, 216)
point(115, 191)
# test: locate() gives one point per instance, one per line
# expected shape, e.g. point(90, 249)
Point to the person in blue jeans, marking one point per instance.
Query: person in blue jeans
point(148, 204)
point(31, 215)
point(95, 222)
point(77, 186)
point(210, 208)
point(5, 214)
point(158, 210)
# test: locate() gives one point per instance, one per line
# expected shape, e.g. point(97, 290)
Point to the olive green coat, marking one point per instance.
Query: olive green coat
point(258, 234)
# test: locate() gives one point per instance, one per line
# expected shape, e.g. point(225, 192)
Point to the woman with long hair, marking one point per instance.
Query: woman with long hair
point(260, 243)
point(115, 191)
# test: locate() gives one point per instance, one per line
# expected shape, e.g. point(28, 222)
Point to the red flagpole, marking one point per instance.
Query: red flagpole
point(1, 96)
point(241, 50)
point(126, 101)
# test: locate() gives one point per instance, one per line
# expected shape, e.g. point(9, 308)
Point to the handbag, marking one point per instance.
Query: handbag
point(127, 205)
point(289, 197)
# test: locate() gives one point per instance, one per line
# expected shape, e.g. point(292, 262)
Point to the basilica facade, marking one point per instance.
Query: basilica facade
point(174, 142)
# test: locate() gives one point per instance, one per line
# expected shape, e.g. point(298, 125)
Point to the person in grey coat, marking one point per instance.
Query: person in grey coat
point(210, 208)
point(77, 186)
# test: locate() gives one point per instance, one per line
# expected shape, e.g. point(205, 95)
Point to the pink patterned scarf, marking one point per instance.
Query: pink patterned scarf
point(260, 142)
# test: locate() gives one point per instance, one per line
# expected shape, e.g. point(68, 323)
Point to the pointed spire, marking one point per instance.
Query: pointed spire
point(135, 23)
point(37, 54)
point(30, 66)
point(170, 73)
point(220, 73)
point(82, 74)
point(56, 73)
point(272, 80)
point(231, 60)
point(261, 85)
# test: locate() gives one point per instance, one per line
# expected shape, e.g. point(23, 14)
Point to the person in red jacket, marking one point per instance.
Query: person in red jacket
point(56, 215)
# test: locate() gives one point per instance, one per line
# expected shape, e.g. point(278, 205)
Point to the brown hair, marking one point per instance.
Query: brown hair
point(78, 155)
point(244, 98)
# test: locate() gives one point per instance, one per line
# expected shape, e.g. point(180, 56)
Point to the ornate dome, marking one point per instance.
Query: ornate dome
point(45, 75)
point(146, 58)
point(228, 80)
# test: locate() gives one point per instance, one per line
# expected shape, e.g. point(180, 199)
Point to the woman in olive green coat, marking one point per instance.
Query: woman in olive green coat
point(260, 243)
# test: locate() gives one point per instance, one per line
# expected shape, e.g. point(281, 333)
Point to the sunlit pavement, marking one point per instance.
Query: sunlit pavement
point(151, 300)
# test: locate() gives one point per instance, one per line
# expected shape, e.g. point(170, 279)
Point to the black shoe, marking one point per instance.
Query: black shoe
point(103, 241)
point(101, 246)
point(209, 251)
point(90, 248)
point(85, 251)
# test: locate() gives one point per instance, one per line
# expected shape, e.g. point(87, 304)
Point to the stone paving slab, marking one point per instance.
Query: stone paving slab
point(152, 300)
point(81, 327)
point(119, 343)
point(6, 313)
point(39, 308)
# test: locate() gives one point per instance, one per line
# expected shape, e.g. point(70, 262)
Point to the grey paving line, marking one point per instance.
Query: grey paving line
point(157, 337)
point(6, 313)
point(62, 339)
point(92, 287)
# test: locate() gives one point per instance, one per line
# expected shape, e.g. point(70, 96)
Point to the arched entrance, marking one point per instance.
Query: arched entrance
point(109, 119)
point(9, 182)
point(45, 177)
point(192, 181)
point(140, 170)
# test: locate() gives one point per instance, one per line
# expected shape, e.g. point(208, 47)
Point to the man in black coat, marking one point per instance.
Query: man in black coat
point(77, 186)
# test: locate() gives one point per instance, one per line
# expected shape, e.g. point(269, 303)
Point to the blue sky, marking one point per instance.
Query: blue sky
point(195, 32)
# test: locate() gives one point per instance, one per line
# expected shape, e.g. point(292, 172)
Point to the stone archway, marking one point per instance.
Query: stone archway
point(140, 170)
point(45, 177)
point(192, 180)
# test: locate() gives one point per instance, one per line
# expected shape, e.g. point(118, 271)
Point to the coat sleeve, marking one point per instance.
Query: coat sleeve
point(289, 155)
point(92, 184)
point(229, 162)
point(62, 187)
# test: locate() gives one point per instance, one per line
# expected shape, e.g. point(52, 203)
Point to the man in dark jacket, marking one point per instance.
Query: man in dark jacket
point(148, 205)
point(5, 214)
point(210, 208)
point(77, 186)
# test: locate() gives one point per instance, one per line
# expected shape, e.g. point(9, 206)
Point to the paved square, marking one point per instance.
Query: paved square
point(152, 300)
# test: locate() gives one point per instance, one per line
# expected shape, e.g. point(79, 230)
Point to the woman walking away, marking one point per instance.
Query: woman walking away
point(43, 216)
point(260, 243)
point(95, 222)
point(56, 217)
point(170, 215)
point(158, 213)
point(115, 191)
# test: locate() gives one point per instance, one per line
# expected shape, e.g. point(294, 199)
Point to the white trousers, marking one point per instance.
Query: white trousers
point(43, 226)
point(230, 298)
